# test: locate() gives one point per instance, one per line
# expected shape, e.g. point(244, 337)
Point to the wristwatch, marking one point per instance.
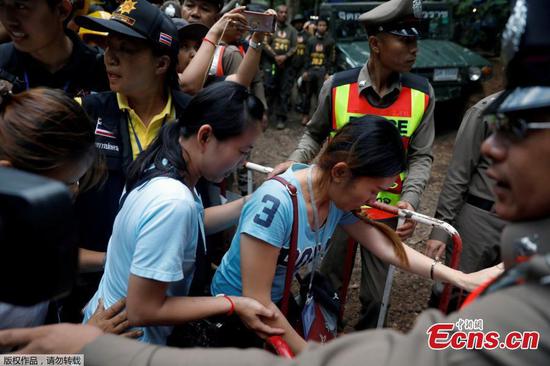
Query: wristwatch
point(255, 45)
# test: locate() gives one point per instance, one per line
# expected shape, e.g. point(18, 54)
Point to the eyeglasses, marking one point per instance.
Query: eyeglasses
point(513, 128)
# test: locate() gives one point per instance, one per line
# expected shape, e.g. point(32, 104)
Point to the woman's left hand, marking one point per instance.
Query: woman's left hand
point(473, 280)
point(253, 314)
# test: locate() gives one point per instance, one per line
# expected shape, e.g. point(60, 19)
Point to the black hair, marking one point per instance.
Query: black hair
point(324, 19)
point(171, 77)
point(226, 106)
point(370, 145)
point(42, 129)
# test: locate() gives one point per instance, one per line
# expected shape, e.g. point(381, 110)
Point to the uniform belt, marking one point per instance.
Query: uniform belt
point(479, 202)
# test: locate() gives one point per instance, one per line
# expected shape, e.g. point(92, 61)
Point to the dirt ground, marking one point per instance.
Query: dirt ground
point(410, 293)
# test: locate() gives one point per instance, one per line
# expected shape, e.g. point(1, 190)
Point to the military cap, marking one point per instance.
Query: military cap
point(137, 19)
point(193, 31)
point(400, 17)
point(526, 53)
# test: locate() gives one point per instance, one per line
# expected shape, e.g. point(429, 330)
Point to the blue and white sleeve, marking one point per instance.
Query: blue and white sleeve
point(268, 215)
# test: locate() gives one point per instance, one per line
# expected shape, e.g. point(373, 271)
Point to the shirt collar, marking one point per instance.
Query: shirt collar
point(364, 81)
point(123, 105)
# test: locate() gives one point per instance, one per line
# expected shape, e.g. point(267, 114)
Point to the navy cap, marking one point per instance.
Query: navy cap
point(526, 53)
point(186, 30)
point(137, 19)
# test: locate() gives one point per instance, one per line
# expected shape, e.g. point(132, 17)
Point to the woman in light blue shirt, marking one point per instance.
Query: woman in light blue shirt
point(160, 228)
point(364, 157)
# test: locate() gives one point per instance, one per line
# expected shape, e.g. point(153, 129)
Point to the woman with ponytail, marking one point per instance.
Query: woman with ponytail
point(363, 158)
point(154, 254)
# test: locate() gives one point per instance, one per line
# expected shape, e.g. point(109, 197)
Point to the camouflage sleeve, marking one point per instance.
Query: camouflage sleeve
point(419, 157)
point(465, 158)
point(317, 130)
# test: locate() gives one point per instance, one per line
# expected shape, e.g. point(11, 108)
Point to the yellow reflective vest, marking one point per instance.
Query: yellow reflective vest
point(406, 112)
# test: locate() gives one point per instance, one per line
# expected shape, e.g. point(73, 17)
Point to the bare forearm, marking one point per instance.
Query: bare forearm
point(176, 310)
point(192, 78)
point(379, 245)
point(218, 218)
point(294, 340)
point(248, 67)
point(421, 265)
point(90, 260)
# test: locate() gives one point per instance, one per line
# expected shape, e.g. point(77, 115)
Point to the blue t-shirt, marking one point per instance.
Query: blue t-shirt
point(268, 216)
point(155, 236)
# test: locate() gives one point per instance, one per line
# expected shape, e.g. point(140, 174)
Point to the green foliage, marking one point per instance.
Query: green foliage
point(479, 23)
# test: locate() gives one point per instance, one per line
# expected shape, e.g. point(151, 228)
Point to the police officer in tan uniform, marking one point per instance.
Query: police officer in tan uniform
point(467, 200)
point(279, 49)
point(518, 301)
point(383, 86)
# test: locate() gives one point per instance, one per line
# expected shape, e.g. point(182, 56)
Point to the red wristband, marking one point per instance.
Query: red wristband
point(232, 309)
point(209, 41)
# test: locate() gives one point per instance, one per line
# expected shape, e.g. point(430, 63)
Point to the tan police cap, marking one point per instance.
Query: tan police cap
point(400, 17)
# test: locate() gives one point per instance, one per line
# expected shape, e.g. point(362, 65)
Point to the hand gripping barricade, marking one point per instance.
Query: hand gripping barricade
point(428, 220)
point(401, 213)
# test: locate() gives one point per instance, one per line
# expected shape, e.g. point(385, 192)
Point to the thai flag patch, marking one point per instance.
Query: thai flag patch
point(165, 39)
point(100, 131)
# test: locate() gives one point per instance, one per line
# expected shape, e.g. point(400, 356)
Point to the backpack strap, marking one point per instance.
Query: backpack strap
point(293, 249)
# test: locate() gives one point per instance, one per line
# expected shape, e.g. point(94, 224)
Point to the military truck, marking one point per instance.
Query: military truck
point(454, 71)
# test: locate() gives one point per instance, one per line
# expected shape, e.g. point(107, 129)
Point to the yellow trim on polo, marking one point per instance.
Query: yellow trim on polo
point(145, 134)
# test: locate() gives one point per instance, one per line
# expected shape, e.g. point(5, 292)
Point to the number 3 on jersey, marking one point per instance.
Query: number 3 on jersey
point(265, 217)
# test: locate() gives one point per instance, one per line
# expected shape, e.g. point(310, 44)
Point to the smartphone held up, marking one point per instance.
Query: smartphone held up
point(260, 22)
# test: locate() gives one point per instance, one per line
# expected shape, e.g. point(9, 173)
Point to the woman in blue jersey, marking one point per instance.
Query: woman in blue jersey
point(154, 254)
point(363, 158)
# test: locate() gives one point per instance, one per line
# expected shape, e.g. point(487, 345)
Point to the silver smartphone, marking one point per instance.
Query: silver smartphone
point(260, 22)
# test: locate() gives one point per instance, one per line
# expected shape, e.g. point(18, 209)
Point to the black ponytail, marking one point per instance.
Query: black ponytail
point(162, 158)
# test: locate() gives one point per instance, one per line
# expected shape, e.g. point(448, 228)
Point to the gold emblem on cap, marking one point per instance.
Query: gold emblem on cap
point(126, 7)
